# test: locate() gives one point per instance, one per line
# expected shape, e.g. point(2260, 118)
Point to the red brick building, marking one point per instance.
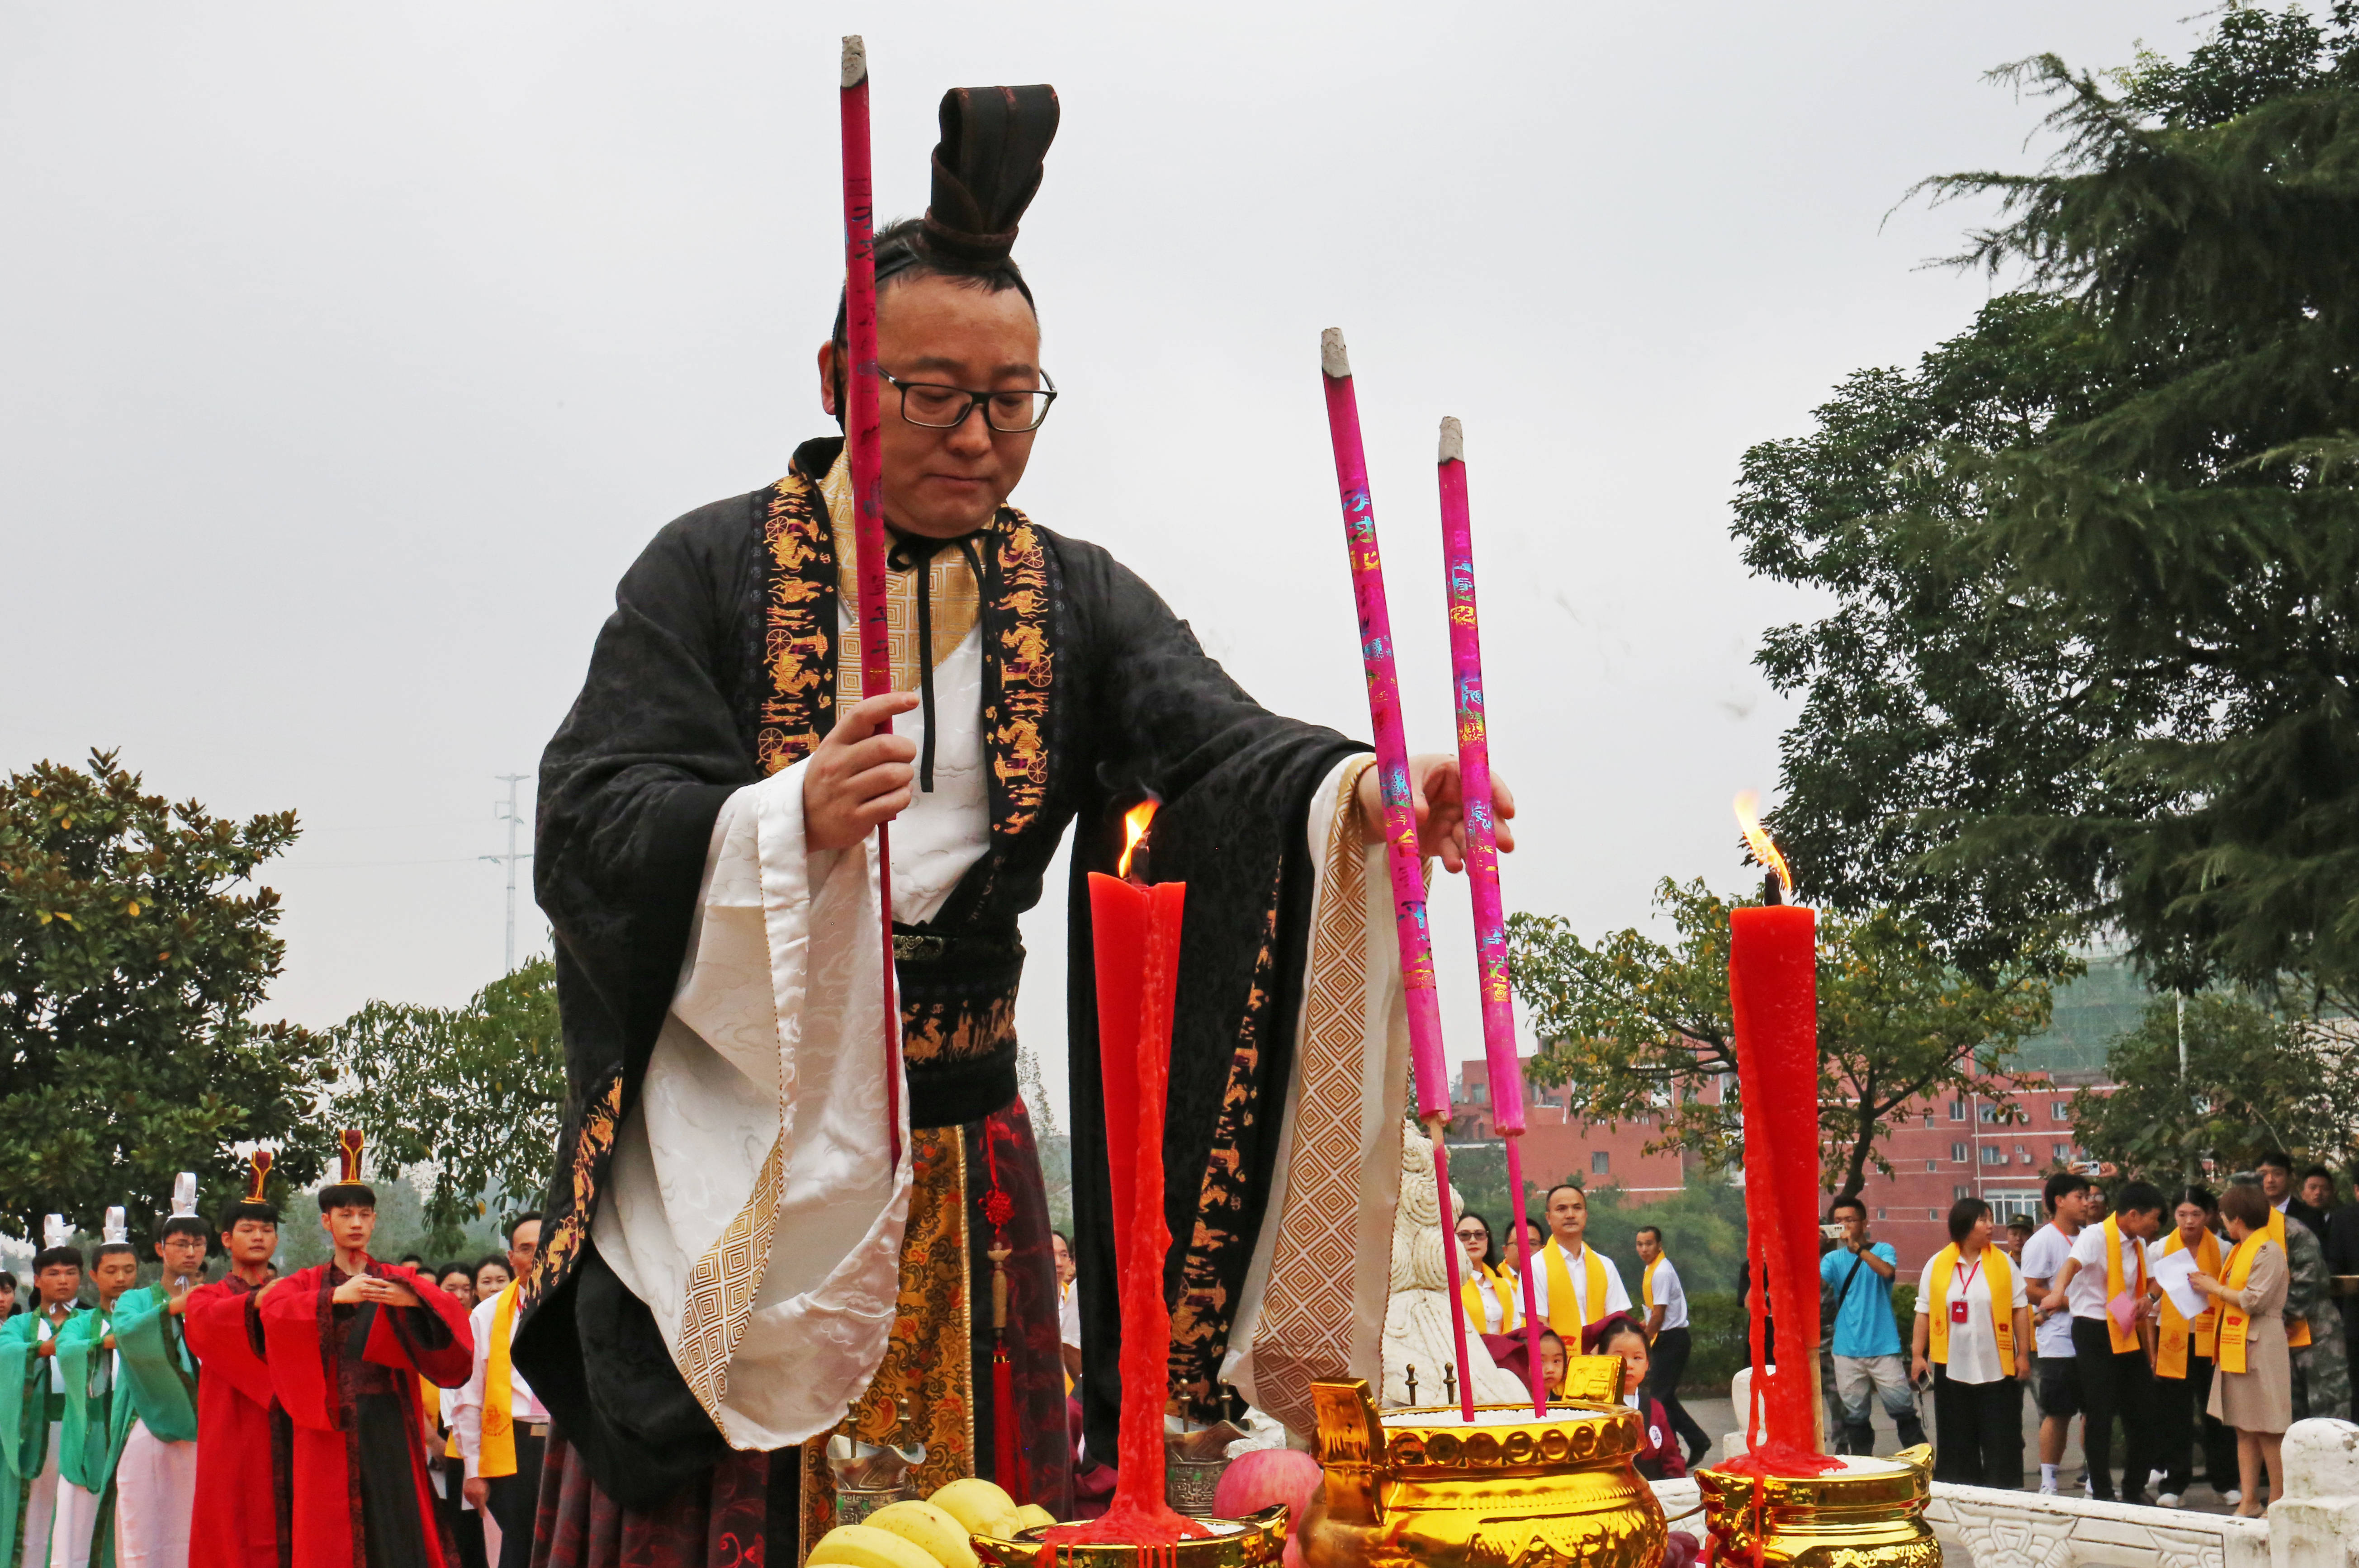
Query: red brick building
point(1998, 1150)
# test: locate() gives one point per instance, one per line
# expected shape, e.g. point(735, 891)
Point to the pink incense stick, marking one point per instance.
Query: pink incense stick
point(1483, 864)
point(862, 433)
point(1400, 810)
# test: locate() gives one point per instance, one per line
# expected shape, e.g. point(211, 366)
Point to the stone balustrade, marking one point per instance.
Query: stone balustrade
point(2314, 1525)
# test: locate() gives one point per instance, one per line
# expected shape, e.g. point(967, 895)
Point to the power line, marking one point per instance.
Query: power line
point(505, 811)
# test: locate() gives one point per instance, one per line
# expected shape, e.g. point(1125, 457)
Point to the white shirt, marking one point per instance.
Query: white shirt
point(2086, 1294)
point(1616, 1298)
point(1974, 1343)
point(1494, 1315)
point(467, 1410)
point(2043, 1258)
point(48, 1330)
point(1069, 1314)
point(1669, 1294)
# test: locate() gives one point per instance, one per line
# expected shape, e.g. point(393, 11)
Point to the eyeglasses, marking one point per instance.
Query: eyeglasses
point(937, 407)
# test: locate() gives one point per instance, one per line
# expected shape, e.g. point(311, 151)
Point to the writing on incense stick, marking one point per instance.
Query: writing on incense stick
point(1401, 812)
point(1482, 863)
point(1134, 931)
point(1773, 994)
point(862, 433)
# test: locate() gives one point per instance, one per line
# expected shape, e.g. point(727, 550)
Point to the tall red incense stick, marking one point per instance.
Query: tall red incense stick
point(862, 431)
point(1400, 811)
point(1772, 993)
point(1482, 865)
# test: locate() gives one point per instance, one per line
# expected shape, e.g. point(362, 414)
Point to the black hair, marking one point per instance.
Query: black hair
point(2200, 1196)
point(113, 1250)
point(267, 1213)
point(529, 1217)
point(346, 1194)
point(1962, 1215)
point(2278, 1157)
point(1490, 1241)
point(1550, 1196)
point(411, 1259)
point(1853, 1201)
point(488, 1260)
point(7, 1279)
point(2063, 1185)
point(184, 1225)
point(2320, 1171)
point(50, 1257)
point(2139, 1197)
point(1654, 1230)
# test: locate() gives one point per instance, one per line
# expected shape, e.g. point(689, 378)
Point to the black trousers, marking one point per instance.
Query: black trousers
point(1977, 1431)
point(2183, 1425)
point(465, 1524)
point(1668, 1362)
point(516, 1499)
point(2114, 1383)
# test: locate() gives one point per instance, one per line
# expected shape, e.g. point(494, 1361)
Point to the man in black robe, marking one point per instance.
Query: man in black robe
point(723, 1255)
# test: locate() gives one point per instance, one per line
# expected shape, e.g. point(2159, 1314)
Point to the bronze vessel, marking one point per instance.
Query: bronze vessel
point(1869, 1514)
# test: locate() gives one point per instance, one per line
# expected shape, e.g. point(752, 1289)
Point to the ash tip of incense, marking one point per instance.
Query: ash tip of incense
point(855, 60)
point(1453, 440)
point(1332, 357)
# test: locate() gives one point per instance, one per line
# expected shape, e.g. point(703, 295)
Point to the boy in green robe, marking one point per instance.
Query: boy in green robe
point(97, 1405)
point(32, 1401)
point(143, 1511)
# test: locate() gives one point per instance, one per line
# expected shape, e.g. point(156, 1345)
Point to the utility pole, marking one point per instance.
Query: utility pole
point(505, 811)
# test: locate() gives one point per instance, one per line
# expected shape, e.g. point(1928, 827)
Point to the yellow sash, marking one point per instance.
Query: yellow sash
point(2002, 1303)
point(2298, 1331)
point(2178, 1332)
point(498, 1455)
point(2122, 1338)
point(1646, 1284)
point(429, 1402)
point(1503, 1283)
point(2236, 1323)
point(1564, 1307)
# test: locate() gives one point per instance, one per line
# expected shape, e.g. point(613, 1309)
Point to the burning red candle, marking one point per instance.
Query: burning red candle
point(1135, 948)
point(1772, 993)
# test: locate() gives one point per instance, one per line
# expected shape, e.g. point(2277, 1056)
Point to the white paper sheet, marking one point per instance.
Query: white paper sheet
point(2170, 1272)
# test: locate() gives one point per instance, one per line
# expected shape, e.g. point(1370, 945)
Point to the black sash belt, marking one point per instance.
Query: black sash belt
point(949, 1094)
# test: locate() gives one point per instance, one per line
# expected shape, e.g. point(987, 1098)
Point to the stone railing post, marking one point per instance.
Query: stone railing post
point(2316, 1523)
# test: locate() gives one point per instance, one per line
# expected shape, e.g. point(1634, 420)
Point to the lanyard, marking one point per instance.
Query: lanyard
point(1966, 1278)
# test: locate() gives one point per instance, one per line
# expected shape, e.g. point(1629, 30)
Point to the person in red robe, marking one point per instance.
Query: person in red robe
point(346, 1342)
point(236, 1523)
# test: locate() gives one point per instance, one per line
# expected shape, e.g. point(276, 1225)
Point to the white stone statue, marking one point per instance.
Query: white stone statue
point(1417, 1313)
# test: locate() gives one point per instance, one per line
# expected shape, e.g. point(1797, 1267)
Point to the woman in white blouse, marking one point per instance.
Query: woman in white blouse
point(1975, 1350)
point(1487, 1284)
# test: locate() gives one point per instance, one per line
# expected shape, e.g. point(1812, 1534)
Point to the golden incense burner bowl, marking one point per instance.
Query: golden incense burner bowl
point(1423, 1488)
point(1869, 1514)
point(1249, 1542)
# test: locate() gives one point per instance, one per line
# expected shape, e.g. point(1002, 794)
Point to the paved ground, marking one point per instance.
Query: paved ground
point(1718, 1416)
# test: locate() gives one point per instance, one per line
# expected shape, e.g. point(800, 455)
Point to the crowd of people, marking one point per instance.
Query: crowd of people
point(2201, 1327)
point(353, 1410)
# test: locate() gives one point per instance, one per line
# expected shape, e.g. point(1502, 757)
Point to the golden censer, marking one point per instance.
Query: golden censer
point(1869, 1514)
point(1423, 1488)
point(1235, 1543)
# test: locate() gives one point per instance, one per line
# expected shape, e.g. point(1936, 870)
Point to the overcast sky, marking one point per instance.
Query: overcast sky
point(349, 354)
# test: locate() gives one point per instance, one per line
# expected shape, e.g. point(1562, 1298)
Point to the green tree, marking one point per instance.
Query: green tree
point(2095, 563)
point(2256, 1080)
point(1636, 1028)
point(132, 950)
point(467, 1097)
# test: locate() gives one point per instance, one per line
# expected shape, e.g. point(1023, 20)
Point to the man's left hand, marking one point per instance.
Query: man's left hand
point(1435, 792)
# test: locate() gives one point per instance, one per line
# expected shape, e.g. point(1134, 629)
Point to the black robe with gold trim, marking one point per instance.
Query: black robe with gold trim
point(717, 668)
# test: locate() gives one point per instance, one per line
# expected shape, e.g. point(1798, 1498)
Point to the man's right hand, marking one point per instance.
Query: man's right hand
point(858, 777)
point(478, 1491)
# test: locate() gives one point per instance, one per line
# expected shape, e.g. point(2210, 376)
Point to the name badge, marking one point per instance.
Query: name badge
point(1957, 1312)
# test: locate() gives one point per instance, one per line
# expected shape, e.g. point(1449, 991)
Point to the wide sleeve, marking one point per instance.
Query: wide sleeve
point(156, 1367)
point(219, 1329)
point(631, 782)
point(432, 1338)
point(300, 1351)
point(1144, 711)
